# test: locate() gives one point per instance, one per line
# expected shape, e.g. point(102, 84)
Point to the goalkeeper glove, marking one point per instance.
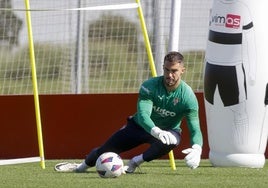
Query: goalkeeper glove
point(165, 136)
point(193, 156)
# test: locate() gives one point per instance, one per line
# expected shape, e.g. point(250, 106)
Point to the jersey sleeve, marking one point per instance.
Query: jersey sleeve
point(144, 108)
point(193, 123)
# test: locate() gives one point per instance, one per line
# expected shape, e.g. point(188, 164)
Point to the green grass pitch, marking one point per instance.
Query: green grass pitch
point(152, 175)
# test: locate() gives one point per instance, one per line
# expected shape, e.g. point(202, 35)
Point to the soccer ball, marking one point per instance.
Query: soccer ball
point(109, 165)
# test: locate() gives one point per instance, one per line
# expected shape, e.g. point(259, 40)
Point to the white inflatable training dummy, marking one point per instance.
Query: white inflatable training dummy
point(235, 79)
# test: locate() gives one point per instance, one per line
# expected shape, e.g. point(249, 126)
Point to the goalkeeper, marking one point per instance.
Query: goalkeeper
point(162, 104)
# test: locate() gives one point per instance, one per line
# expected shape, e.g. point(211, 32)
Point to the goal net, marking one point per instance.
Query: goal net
point(94, 51)
point(95, 46)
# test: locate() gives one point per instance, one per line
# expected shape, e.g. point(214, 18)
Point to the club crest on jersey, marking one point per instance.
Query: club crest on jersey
point(175, 101)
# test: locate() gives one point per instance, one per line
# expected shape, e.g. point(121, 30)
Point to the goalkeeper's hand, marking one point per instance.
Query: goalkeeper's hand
point(193, 156)
point(165, 136)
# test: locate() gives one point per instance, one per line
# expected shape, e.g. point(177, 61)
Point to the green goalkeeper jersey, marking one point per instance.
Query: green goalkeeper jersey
point(158, 107)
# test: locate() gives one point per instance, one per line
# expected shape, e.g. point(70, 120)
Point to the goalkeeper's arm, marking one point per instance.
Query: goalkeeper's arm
point(143, 114)
point(193, 156)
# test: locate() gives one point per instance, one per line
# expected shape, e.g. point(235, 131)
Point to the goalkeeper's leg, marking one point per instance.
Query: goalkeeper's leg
point(129, 137)
point(155, 151)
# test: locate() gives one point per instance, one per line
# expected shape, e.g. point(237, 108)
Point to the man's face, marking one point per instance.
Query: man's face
point(172, 73)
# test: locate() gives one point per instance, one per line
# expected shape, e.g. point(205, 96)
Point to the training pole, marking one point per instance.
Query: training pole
point(35, 88)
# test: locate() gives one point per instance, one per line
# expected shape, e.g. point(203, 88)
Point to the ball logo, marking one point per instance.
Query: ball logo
point(107, 160)
point(116, 167)
point(232, 21)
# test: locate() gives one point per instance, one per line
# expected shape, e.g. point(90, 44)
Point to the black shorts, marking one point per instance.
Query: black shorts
point(231, 82)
